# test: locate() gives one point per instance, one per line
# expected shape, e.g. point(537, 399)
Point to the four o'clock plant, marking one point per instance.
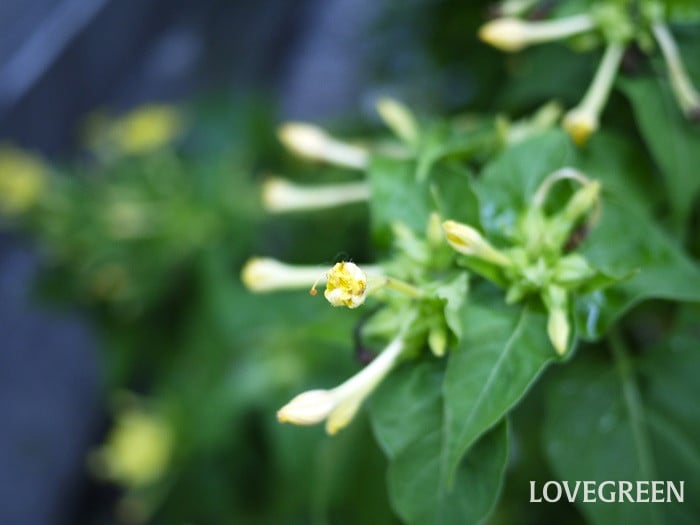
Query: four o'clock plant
point(503, 247)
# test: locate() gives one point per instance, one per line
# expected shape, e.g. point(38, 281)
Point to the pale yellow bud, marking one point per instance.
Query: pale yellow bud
point(437, 340)
point(580, 123)
point(339, 405)
point(468, 241)
point(280, 195)
point(558, 330)
point(513, 34)
point(313, 143)
point(264, 274)
point(582, 201)
point(346, 285)
point(399, 118)
point(307, 408)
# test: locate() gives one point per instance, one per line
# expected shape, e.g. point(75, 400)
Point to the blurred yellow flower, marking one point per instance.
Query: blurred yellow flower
point(22, 180)
point(138, 449)
point(147, 128)
point(141, 130)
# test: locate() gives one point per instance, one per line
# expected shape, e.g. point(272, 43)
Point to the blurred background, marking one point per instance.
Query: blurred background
point(134, 386)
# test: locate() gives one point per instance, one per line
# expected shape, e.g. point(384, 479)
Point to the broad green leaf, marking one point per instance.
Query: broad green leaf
point(454, 197)
point(407, 405)
point(673, 141)
point(454, 293)
point(421, 499)
point(396, 197)
point(626, 242)
point(502, 351)
point(445, 140)
point(407, 417)
point(508, 183)
point(607, 422)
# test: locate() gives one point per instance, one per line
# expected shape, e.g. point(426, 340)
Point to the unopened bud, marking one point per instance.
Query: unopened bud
point(280, 195)
point(513, 34)
point(468, 241)
point(307, 408)
point(263, 274)
point(314, 143)
point(400, 119)
point(582, 201)
point(580, 123)
point(437, 340)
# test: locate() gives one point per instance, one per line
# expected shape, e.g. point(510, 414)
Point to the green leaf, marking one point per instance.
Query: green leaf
point(502, 351)
point(445, 140)
point(508, 183)
point(607, 422)
point(451, 187)
point(407, 405)
point(396, 197)
point(421, 499)
point(454, 294)
point(627, 240)
point(407, 417)
point(673, 141)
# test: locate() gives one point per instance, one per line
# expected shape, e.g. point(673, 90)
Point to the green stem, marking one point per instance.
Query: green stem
point(403, 287)
point(635, 410)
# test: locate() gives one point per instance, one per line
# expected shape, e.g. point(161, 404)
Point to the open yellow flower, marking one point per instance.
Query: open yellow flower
point(346, 285)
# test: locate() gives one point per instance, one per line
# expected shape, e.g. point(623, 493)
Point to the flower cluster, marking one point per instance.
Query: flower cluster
point(420, 289)
point(618, 26)
point(537, 262)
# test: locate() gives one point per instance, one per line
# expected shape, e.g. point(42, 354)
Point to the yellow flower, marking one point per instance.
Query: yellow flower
point(22, 180)
point(137, 450)
point(346, 285)
point(141, 130)
point(339, 405)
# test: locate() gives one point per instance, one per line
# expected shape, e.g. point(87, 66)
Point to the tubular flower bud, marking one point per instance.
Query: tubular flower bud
point(313, 143)
point(469, 241)
point(582, 201)
point(686, 95)
point(263, 274)
point(280, 195)
point(339, 405)
point(513, 34)
point(346, 285)
point(558, 328)
point(582, 121)
point(399, 118)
